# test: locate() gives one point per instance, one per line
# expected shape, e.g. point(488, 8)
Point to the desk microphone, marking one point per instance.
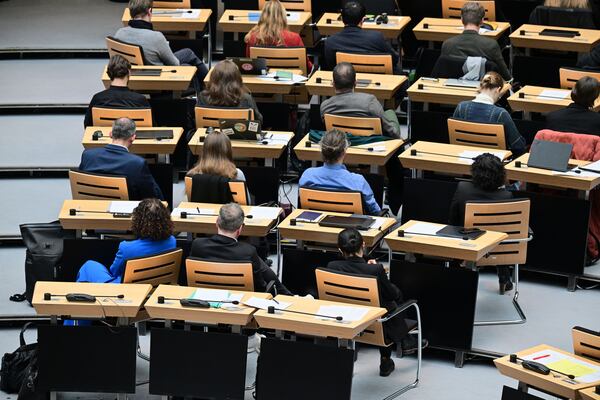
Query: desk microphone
point(428, 25)
point(421, 86)
point(413, 152)
point(272, 309)
point(597, 391)
point(159, 12)
point(536, 366)
point(523, 95)
point(234, 17)
point(184, 214)
point(79, 297)
point(74, 211)
point(320, 80)
point(401, 233)
point(197, 303)
point(97, 135)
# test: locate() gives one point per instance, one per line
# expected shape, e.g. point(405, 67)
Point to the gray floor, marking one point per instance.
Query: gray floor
point(58, 24)
point(50, 141)
point(65, 82)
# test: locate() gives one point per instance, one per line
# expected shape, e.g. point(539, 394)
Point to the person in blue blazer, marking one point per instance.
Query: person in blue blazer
point(115, 159)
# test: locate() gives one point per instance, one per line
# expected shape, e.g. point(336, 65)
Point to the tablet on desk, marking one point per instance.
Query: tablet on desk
point(154, 134)
point(559, 33)
point(360, 222)
point(145, 72)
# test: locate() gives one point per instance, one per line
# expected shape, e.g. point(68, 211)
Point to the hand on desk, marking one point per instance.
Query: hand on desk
point(372, 261)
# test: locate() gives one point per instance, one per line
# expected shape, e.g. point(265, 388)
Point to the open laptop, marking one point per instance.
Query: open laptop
point(251, 66)
point(241, 129)
point(550, 155)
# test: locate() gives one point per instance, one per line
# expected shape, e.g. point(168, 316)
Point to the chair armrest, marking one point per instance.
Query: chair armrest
point(402, 307)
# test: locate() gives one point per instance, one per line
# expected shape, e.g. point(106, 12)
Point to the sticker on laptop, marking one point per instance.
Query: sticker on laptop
point(253, 126)
point(228, 131)
point(240, 127)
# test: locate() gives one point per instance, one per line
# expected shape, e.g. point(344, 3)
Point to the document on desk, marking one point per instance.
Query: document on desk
point(277, 138)
point(424, 228)
point(269, 213)
point(593, 166)
point(293, 16)
point(583, 371)
point(553, 94)
point(379, 221)
point(264, 304)
point(188, 14)
point(580, 174)
point(122, 206)
point(472, 154)
point(295, 78)
point(193, 212)
point(348, 313)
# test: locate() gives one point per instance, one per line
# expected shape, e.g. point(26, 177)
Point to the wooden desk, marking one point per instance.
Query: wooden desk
point(246, 149)
point(95, 220)
point(440, 29)
point(255, 84)
point(207, 224)
point(589, 394)
point(331, 23)
point(127, 307)
point(386, 90)
point(176, 81)
point(354, 155)
point(314, 233)
point(550, 178)
point(241, 22)
point(548, 383)
point(448, 163)
point(172, 309)
point(437, 246)
point(139, 146)
point(433, 91)
point(162, 21)
point(532, 40)
point(527, 100)
point(313, 326)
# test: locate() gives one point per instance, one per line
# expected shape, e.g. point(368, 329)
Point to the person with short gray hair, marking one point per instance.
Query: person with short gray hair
point(225, 247)
point(115, 159)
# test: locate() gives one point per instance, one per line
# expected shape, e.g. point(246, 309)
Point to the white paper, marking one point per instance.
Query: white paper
point(293, 16)
point(277, 138)
point(185, 14)
point(264, 304)
point(125, 207)
point(481, 30)
point(215, 295)
point(472, 154)
point(378, 223)
point(423, 228)
point(593, 165)
point(547, 357)
point(295, 79)
point(177, 212)
point(580, 174)
point(348, 313)
point(269, 213)
point(549, 94)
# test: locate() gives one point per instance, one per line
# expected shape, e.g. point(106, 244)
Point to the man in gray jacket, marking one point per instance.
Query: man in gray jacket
point(154, 44)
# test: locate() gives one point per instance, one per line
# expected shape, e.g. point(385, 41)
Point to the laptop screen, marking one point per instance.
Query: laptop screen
point(550, 155)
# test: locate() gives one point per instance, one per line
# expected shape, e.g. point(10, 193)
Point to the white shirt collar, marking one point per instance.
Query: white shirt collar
point(484, 98)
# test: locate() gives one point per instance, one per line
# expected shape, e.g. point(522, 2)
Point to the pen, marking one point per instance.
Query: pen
point(540, 357)
point(276, 302)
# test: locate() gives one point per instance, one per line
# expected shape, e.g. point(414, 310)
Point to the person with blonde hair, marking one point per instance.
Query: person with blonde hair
point(483, 109)
point(272, 30)
point(217, 158)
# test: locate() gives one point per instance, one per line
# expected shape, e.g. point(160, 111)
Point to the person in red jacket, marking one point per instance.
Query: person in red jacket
point(272, 30)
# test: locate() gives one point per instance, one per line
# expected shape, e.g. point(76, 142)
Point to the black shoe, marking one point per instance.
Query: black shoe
point(386, 366)
point(409, 345)
point(505, 287)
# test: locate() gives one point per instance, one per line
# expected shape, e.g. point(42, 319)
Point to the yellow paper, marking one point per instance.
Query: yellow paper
point(570, 367)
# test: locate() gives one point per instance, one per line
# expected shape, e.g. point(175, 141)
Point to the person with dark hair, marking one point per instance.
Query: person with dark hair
point(488, 183)
point(351, 245)
point(354, 39)
point(334, 175)
point(152, 226)
point(225, 247)
point(225, 88)
point(115, 159)
point(483, 109)
point(118, 94)
point(579, 116)
point(471, 44)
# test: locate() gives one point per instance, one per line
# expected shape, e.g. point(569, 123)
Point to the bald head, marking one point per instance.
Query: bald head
point(123, 129)
point(344, 77)
point(231, 218)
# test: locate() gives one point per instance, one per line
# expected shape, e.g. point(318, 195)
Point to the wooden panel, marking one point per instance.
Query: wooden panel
point(245, 149)
point(331, 23)
point(176, 78)
point(586, 344)
point(358, 126)
point(131, 52)
point(282, 57)
point(476, 134)
point(569, 77)
point(88, 186)
point(215, 275)
point(327, 200)
point(154, 270)
point(440, 29)
point(369, 63)
point(452, 9)
point(384, 87)
point(106, 116)
point(210, 116)
point(139, 146)
point(528, 36)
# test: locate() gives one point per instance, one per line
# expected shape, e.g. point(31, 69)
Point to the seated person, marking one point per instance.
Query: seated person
point(471, 44)
point(115, 159)
point(483, 109)
point(354, 39)
point(152, 226)
point(225, 247)
point(272, 30)
point(154, 44)
point(579, 116)
point(217, 158)
point(334, 175)
point(488, 179)
point(351, 245)
point(118, 94)
point(226, 89)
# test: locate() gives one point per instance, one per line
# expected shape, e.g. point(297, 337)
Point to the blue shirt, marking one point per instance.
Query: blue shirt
point(337, 177)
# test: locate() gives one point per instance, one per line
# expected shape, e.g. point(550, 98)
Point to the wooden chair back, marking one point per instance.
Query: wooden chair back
point(238, 191)
point(172, 4)
point(282, 57)
point(586, 343)
point(328, 200)
point(88, 186)
point(346, 288)
point(451, 9)
point(368, 63)
point(131, 52)
point(106, 116)
point(358, 126)
point(569, 77)
point(210, 116)
point(157, 269)
point(219, 275)
point(291, 5)
point(476, 134)
point(511, 217)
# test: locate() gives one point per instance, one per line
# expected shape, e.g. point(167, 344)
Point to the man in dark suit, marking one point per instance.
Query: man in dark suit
point(118, 94)
point(578, 117)
point(225, 247)
point(115, 159)
point(471, 44)
point(354, 39)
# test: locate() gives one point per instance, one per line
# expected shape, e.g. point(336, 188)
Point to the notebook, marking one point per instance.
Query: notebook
point(460, 232)
point(550, 155)
point(559, 32)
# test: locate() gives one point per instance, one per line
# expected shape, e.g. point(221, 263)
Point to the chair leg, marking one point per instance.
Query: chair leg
point(522, 319)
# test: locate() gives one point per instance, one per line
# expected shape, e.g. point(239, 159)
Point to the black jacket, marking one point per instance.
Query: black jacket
point(465, 192)
point(353, 39)
point(115, 97)
point(574, 118)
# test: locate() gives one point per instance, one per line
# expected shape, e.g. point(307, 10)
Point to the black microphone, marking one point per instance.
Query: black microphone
point(74, 211)
point(97, 135)
point(197, 303)
point(522, 96)
point(536, 366)
point(401, 233)
point(413, 152)
point(167, 12)
point(184, 214)
point(272, 309)
point(80, 297)
point(428, 25)
point(320, 80)
point(234, 17)
point(421, 86)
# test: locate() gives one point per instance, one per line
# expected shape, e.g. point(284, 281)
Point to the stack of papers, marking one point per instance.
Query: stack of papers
point(125, 207)
point(264, 304)
point(269, 213)
point(583, 371)
point(348, 313)
point(193, 211)
point(550, 94)
point(472, 154)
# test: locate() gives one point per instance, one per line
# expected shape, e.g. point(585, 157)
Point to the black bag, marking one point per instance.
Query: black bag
point(44, 244)
point(15, 365)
